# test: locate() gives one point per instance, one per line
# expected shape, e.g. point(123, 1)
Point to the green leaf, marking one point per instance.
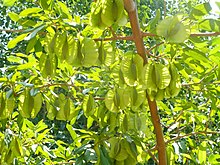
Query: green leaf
point(71, 131)
point(61, 111)
point(14, 16)
point(9, 2)
point(214, 159)
point(26, 104)
point(196, 54)
point(172, 29)
point(64, 9)
point(10, 105)
point(200, 10)
point(34, 32)
point(12, 43)
point(109, 101)
point(44, 4)
point(89, 105)
point(31, 44)
point(37, 105)
point(89, 122)
point(28, 11)
point(70, 111)
point(210, 25)
point(17, 148)
point(105, 160)
point(202, 152)
point(151, 25)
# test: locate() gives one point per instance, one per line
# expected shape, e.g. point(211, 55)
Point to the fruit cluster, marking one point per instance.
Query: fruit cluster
point(104, 13)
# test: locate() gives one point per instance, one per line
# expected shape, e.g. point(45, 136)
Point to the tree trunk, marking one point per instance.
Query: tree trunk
point(131, 8)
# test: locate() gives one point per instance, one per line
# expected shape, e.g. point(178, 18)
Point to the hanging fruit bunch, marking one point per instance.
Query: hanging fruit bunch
point(104, 13)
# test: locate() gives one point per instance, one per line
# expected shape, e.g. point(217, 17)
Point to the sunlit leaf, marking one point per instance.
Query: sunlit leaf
point(28, 11)
point(9, 2)
point(12, 43)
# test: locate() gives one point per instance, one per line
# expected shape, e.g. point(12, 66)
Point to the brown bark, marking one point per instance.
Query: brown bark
point(131, 8)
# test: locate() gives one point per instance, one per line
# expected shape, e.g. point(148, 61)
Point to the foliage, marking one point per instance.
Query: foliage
point(73, 88)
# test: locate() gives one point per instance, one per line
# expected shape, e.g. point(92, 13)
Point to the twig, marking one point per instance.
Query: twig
point(155, 46)
point(70, 162)
point(146, 34)
point(153, 157)
point(205, 34)
point(207, 123)
point(12, 30)
point(175, 120)
point(203, 78)
point(190, 134)
point(129, 38)
point(113, 32)
point(57, 84)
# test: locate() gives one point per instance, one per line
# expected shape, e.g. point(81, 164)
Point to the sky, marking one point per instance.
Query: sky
point(214, 6)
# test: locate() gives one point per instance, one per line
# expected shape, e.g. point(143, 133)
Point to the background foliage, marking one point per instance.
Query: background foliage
point(56, 109)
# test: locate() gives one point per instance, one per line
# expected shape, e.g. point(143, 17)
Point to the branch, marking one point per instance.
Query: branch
point(58, 84)
point(129, 38)
point(12, 30)
point(155, 46)
point(190, 134)
point(146, 34)
point(205, 34)
point(131, 8)
point(70, 162)
point(175, 120)
point(153, 157)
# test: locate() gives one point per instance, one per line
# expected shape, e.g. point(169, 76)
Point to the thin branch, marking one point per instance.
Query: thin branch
point(70, 162)
point(153, 157)
point(57, 84)
point(129, 38)
point(113, 32)
point(155, 46)
point(175, 120)
point(12, 30)
point(191, 134)
point(146, 34)
point(209, 118)
point(205, 34)
point(198, 83)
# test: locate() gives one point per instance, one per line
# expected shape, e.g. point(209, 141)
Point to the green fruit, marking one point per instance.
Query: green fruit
point(160, 94)
point(95, 17)
point(150, 78)
point(90, 52)
point(162, 75)
point(118, 9)
point(175, 85)
point(123, 154)
point(107, 16)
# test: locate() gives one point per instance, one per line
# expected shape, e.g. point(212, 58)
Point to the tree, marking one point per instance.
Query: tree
point(95, 85)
